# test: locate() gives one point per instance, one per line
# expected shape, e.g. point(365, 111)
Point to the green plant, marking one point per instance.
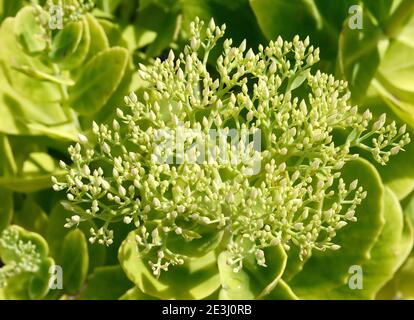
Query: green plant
point(171, 226)
point(186, 208)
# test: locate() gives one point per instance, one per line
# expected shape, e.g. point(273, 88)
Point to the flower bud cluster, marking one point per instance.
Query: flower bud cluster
point(26, 258)
point(297, 198)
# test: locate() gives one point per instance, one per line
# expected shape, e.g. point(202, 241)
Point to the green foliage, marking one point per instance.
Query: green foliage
point(234, 238)
point(90, 93)
point(25, 274)
point(196, 280)
point(104, 278)
point(74, 260)
point(253, 281)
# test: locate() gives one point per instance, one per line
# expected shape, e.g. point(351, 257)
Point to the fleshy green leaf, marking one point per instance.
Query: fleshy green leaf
point(196, 279)
point(209, 240)
point(282, 292)
point(79, 56)
point(166, 28)
point(103, 279)
point(380, 8)
point(98, 80)
point(135, 294)
point(25, 284)
point(9, 8)
point(294, 263)
point(405, 280)
point(23, 99)
point(409, 209)
point(271, 13)
point(31, 217)
point(99, 40)
point(7, 160)
point(74, 261)
point(359, 56)
point(238, 16)
point(39, 283)
point(298, 80)
point(57, 232)
point(67, 41)
point(113, 33)
point(35, 174)
point(6, 209)
point(398, 175)
point(253, 281)
point(29, 31)
point(384, 258)
point(356, 239)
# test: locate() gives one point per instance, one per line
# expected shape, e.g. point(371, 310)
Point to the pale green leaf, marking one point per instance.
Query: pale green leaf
point(253, 281)
point(356, 239)
point(98, 80)
point(106, 283)
point(6, 209)
point(29, 32)
point(74, 261)
point(196, 279)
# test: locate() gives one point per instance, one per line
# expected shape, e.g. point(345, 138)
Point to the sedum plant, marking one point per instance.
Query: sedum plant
point(227, 205)
point(46, 66)
point(25, 274)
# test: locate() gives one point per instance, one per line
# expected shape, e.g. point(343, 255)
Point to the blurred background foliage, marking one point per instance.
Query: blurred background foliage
point(51, 91)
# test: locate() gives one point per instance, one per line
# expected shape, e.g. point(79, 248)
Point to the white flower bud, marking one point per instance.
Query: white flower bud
point(95, 127)
point(205, 220)
point(259, 254)
point(212, 25)
point(341, 224)
point(180, 74)
point(250, 55)
point(133, 97)
point(146, 96)
point(122, 191)
point(119, 113)
point(127, 220)
point(249, 115)
point(62, 164)
point(82, 138)
point(230, 197)
point(171, 55)
point(353, 185)
point(105, 184)
point(379, 123)
point(115, 125)
point(106, 148)
point(298, 226)
point(156, 202)
point(75, 218)
point(242, 46)
point(395, 150)
point(273, 68)
point(86, 170)
point(194, 44)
